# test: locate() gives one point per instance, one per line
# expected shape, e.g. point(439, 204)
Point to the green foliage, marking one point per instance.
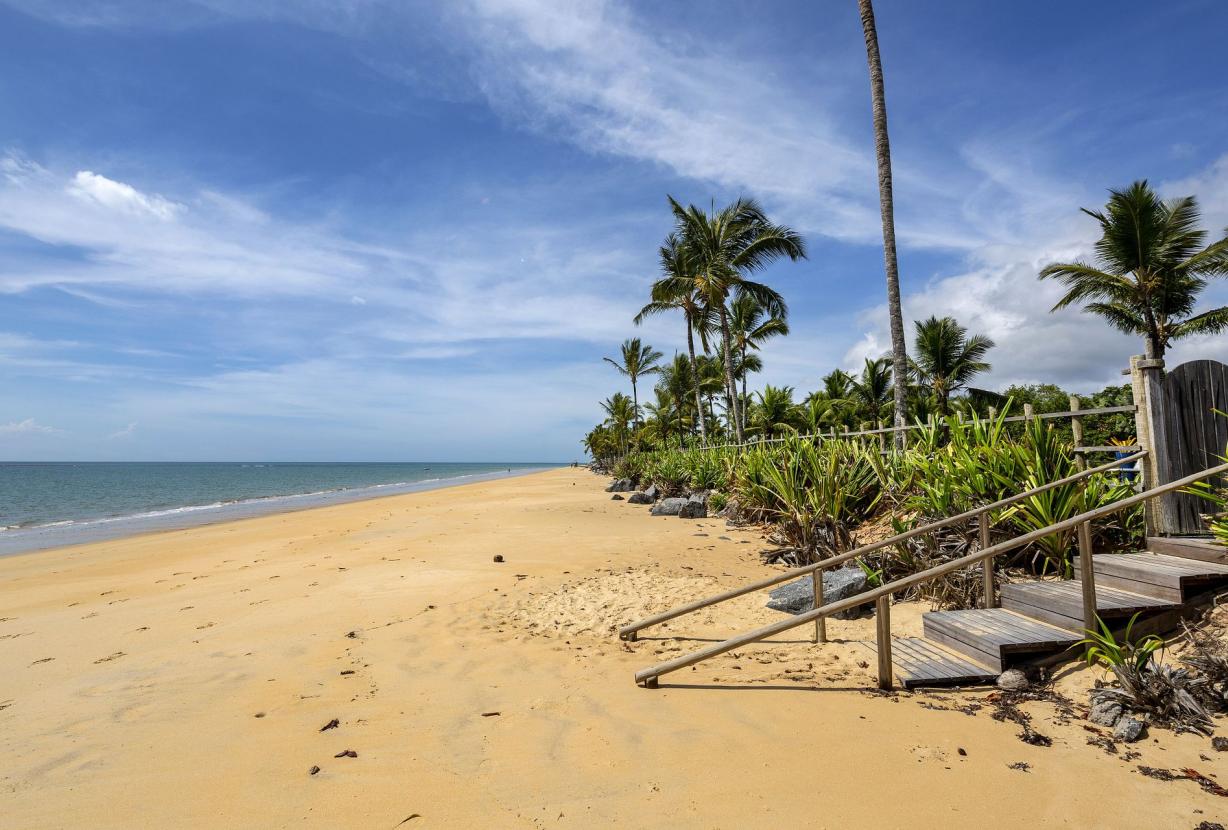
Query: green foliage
point(1128, 655)
point(1150, 269)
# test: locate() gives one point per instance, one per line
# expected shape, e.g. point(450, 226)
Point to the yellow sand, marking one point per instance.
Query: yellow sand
point(182, 679)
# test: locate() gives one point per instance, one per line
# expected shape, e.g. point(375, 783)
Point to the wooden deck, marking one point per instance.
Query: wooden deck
point(1160, 575)
point(1189, 547)
point(918, 662)
point(994, 635)
point(1061, 603)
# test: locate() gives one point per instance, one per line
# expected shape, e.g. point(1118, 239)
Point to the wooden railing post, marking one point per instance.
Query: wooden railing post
point(1028, 412)
point(820, 625)
point(882, 633)
point(1076, 431)
point(991, 597)
point(1087, 576)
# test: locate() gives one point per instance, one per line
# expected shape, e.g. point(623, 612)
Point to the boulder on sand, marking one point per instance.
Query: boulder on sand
point(616, 497)
point(797, 597)
point(621, 485)
point(639, 498)
point(668, 507)
point(652, 492)
point(696, 507)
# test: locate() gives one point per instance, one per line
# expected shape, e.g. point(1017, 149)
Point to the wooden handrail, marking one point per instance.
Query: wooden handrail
point(649, 676)
point(628, 632)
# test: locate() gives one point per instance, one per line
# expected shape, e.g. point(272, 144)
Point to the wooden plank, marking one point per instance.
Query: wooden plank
point(1061, 603)
point(919, 663)
point(1195, 435)
point(1202, 548)
point(998, 628)
point(1158, 567)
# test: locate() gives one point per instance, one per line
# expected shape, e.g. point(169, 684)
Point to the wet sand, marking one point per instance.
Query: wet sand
point(184, 679)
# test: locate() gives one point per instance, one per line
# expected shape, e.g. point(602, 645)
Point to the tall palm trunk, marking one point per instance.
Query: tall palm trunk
point(745, 400)
point(882, 149)
point(699, 404)
point(731, 387)
point(635, 402)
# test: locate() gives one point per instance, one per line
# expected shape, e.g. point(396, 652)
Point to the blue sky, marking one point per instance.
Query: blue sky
point(391, 231)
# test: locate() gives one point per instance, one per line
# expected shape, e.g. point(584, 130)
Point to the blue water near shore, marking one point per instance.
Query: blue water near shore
point(44, 505)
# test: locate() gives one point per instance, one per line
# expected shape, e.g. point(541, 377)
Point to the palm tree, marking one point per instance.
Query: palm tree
point(882, 150)
point(947, 358)
point(638, 359)
point(752, 325)
point(775, 414)
point(873, 391)
point(676, 290)
point(1151, 268)
point(722, 247)
point(678, 380)
point(620, 413)
point(661, 415)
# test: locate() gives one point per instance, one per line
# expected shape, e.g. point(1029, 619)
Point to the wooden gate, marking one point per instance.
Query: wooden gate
point(1196, 437)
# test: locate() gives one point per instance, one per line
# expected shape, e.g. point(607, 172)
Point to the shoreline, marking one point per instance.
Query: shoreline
point(197, 678)
point(33, 539)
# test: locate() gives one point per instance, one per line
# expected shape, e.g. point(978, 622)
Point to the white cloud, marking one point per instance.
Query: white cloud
point(126, 432)
point(27, 427)
point(109, 193)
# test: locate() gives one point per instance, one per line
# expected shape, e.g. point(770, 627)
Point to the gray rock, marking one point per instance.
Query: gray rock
point(1219, 744)
point(695, 508)
point(621, 485)
point(668, 507)
point(1105, 712)
point(797, 597)
point(653, 493)
point(1013, 680)
point(639, 498)
point(1130, 730)
point(616, 497)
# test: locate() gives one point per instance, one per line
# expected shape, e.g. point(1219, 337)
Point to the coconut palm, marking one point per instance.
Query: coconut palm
point(620, 414)
point(637, 359)
point(874, 391)
point(723, 247)
point(661, 415)
point(882, 152)
point(676, 291)
point(947, 358)
point(837, 384)
point(1151, 267)
point(751, 326)
point(678, 380)
point(775, 413)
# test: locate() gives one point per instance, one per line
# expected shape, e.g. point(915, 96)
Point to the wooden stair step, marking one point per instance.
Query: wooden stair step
point(1172, 578)
point(917, 663)
point(1061, 603)
point(1189, 547)
point(994, 636)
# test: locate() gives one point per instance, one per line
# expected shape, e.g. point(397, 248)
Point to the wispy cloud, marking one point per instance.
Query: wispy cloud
point(126, 432)
point(27, 427)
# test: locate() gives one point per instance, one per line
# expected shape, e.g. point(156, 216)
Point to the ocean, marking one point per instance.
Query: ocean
point(44, 505)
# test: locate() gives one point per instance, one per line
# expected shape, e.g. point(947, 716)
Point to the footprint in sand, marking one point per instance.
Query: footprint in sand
point(44, 660)
point(109, 658)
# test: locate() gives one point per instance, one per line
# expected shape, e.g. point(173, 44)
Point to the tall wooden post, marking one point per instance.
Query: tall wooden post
point(991, 597)
point(1076, 430)
point(882, 632)
point(820, 625)
point(1147, 384)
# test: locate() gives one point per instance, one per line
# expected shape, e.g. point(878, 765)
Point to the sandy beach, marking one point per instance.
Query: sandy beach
point(187, 679)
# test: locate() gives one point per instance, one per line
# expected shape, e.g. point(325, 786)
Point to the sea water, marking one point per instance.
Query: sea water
point(46, 505)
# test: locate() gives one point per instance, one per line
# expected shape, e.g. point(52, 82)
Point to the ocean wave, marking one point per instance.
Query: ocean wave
point(222, 505)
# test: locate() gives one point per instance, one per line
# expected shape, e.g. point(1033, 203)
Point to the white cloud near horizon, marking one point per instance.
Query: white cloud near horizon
point(27, 427)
